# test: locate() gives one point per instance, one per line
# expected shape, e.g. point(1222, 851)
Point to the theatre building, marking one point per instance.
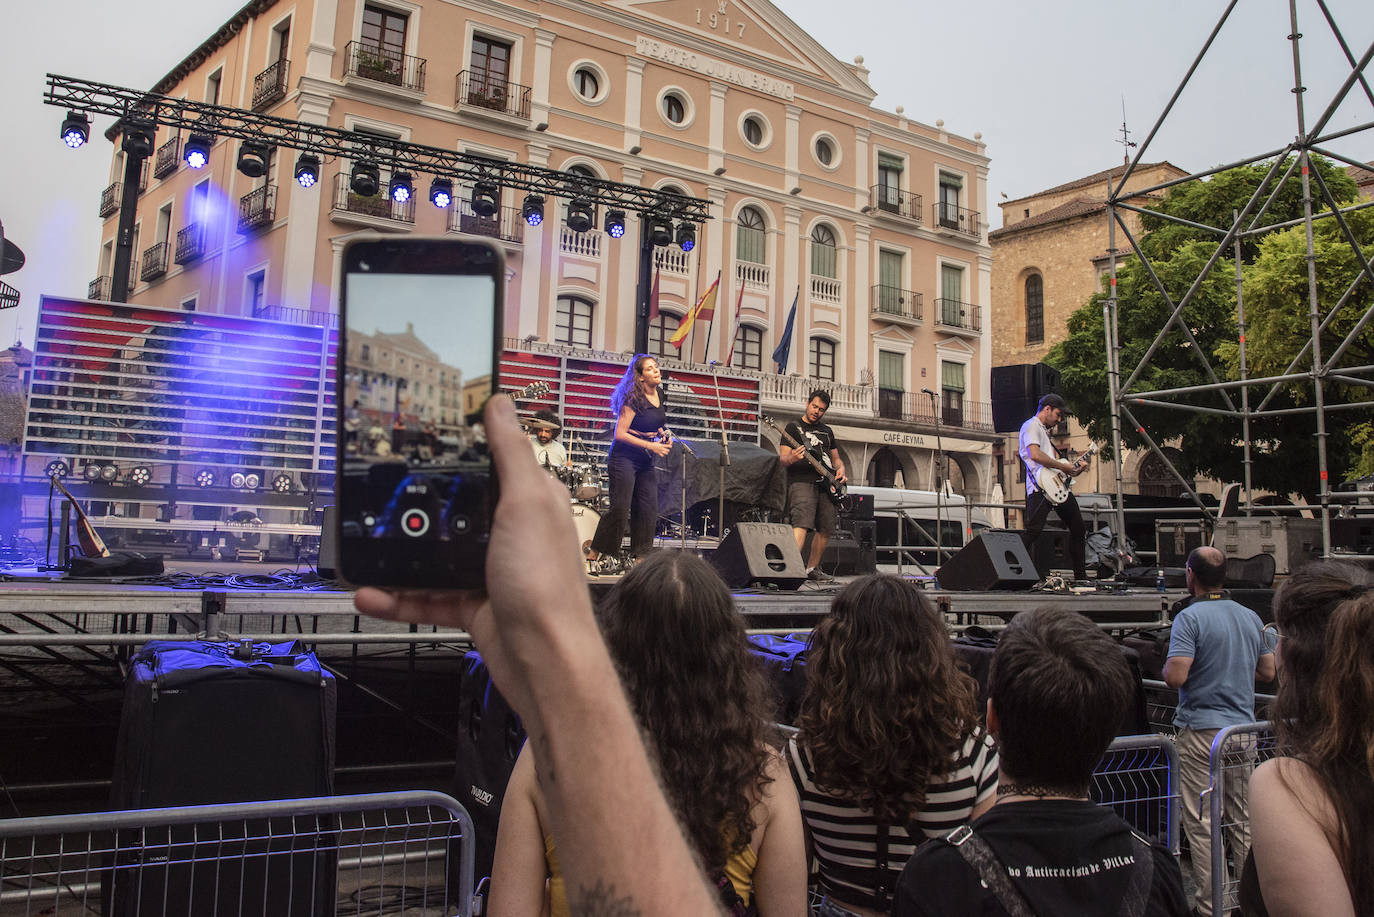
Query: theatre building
point(872, 222)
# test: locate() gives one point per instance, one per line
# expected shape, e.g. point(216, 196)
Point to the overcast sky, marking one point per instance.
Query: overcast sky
point(1043, 81)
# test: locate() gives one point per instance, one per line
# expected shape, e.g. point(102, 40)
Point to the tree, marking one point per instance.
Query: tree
point(1283, 448)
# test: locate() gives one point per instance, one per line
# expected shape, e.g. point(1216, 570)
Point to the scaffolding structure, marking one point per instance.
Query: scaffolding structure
point(1310, 365)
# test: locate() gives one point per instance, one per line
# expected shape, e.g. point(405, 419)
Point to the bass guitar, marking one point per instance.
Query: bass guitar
point(90, 542)
point(1056, 485)
point(834, 489)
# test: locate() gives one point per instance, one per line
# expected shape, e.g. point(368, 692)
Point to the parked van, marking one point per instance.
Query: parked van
point(960, 523)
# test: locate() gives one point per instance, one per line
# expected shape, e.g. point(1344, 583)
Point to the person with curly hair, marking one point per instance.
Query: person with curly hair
point(1312, 812)
point(700, 698)
point(889, 749)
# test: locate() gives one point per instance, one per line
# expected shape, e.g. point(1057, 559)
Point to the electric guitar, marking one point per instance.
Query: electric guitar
point(1056, 485)
point(533, 390)
point(834, 489)
point(86, 536)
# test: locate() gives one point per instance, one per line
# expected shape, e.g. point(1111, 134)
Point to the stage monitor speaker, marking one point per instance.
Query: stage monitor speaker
point(760, 553)
point(993, 560)
point(327, 565)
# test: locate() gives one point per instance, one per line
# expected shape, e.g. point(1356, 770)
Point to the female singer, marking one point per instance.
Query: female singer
point(641, 414)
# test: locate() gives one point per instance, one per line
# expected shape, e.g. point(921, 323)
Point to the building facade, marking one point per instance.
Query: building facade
point(870, 221)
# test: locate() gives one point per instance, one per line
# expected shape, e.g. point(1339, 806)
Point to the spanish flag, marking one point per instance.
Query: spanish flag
point(704, 310)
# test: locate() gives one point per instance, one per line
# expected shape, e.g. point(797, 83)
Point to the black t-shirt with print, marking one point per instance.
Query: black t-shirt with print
point(1064, 856)
point(818, 439)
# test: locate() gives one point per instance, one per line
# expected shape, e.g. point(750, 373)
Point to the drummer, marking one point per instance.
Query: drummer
point(547, 449)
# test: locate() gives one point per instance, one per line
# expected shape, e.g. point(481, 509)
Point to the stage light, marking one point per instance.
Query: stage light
point(91, 472)
point(252, 480)
point(307, 170)
point(660, 230)
point(533, 209)
point(400, 188)
point(441, 192)
point(283, 484)
point(109, 472)
point(686, 236)
point(205, 477)
point(615, 224)
point(197, 152)
point(253, 158)
point(236, 480)
point(140, 475)
point(364, 181)
point(57, 469)
point(486, 198)
point(579, 214)
point(138, 139)
point(76, 129)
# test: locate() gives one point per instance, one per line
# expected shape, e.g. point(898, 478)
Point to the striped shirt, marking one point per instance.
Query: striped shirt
point(844, 837)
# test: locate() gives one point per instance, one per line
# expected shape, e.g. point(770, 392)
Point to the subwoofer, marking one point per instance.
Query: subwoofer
point(760, 553)
point(992, 561)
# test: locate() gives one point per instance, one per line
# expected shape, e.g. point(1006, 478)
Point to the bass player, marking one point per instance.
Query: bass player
point(809, 508)
point(1038, 452)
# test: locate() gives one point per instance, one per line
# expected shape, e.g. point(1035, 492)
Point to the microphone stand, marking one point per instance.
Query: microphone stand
point(686, 451)
point(724, 452)
point(940, 482)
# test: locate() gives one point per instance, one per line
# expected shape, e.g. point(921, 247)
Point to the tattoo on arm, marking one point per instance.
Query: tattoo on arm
point(601, 901)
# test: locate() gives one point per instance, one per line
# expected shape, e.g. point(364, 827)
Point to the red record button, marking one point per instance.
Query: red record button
point(415, 522)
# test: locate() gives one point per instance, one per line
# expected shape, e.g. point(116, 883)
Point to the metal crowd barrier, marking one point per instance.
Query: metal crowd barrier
point(1235, 752)
point(375, 854)
point(1138, 779)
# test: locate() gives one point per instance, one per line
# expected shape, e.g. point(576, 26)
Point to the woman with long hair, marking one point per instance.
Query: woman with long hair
point(1312, 812)
point(889, 749)
point(700, 698)
point(641, 415)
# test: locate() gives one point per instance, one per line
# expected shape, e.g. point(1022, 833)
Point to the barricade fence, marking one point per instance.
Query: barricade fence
point(1236, 752)
point(374, 854)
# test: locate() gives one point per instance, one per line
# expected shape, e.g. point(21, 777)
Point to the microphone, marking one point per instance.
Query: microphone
point(926, 391)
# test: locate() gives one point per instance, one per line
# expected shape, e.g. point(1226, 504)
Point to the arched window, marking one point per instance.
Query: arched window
point(1035, 309)
point(823, 260)
point(748, 348)
point(823, 359)
point(573, 321)
point(884, 469)
point(660, 329)
point(1155, 479)
point(751, 237)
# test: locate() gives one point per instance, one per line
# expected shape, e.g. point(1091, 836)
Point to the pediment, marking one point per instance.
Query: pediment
point(954, 345)
point(894, 334)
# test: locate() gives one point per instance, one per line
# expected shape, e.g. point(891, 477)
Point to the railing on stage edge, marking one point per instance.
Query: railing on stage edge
point(1236, 750)
point(411, 850)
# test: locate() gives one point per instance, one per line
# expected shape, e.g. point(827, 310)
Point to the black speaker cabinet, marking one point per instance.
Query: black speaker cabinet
point(762, 553)
point(1016, 390)
point(860, 508)
point(993, 560)
point(853, 552)
point(1051, 550)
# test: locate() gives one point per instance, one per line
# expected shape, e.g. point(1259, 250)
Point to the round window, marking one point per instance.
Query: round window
point(674, 109)
point(586, 83)
point(825, 153)
point(753, 131)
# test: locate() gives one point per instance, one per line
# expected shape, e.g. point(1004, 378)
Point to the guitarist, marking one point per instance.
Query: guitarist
point(809, 509)
point(1038, 452)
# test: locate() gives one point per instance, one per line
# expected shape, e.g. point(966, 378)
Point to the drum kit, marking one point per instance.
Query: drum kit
point(584, 488)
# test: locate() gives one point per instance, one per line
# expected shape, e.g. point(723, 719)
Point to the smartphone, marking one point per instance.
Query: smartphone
point(420, 326)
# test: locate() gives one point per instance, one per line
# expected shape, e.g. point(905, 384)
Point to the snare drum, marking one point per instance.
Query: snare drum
point(585, 520)
point(586, 484)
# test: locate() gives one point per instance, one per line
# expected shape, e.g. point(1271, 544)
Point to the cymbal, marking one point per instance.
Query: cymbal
point(532, 423)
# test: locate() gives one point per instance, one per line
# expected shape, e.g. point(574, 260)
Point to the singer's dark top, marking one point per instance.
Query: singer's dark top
point(647, 420)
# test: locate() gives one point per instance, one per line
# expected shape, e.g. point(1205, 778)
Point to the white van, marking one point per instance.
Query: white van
point(961, 523)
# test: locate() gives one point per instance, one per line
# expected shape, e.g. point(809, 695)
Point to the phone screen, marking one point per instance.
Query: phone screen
point(417, 363)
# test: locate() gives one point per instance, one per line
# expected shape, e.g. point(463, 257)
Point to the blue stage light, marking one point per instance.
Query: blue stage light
point(400, 188)
point(197, 151)
point(307, 170)
point(76, 129)
point(615, 224)
point(533, 209)
point(441, 193)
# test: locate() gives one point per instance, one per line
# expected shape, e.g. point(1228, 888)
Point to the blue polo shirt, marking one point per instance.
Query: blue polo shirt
point(1225, 640)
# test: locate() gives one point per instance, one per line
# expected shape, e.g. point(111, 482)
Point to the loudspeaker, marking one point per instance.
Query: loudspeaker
point(852, 552)
point(763, 553)
point(327, 565)
point(1016, 390)
point(993, 560)
point(1051, 550)
point(860, 507)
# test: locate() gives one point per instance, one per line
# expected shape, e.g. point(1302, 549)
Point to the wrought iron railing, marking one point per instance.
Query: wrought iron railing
point(297, 316)
point(505, 224)
point(190, 243)
point(384, 65)
point(154, 263)
point(100, 287)
point(270, 85)
point(915, 408)
point(894, 303)
point(493, 93)
point(957, 219)
point(378, 205)
point(951, 313)
point(258, 208)
point(110, 197)
point(168, 158)
point(892, 200)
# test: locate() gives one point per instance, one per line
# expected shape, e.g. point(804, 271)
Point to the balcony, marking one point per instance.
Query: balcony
point(672, 260)
point(110, 198)
point(506, 224)
point(154, 263)
point(190, 243)
point(384, 65)
point(9, 296)
point(754, 276)
point(167, 159)
point(916, 408)
point(895, 305)
point(296, 316)
point(258, 208)
point(890, 200)
point(270, 85)
point(956, 219)
point(488, 92)
point(99, 288)
point(953, 315)
point(826, 290)
point(379, 210)
point(584, 244)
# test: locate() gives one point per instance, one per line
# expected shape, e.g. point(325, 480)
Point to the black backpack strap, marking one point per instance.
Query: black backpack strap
point(984, 861)
point(883, 893)
point(1142, 878)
